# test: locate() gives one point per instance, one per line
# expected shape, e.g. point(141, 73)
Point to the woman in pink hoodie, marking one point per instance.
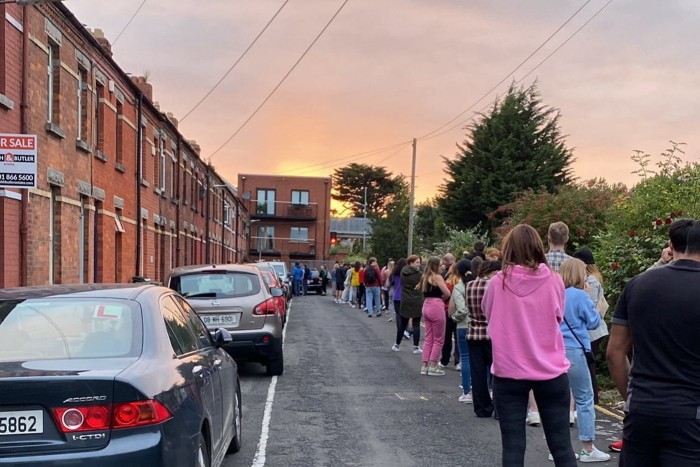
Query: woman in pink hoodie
point(524, 306)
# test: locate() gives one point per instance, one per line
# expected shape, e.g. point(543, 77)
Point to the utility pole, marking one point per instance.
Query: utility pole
point(364, 222)
point(411, 208)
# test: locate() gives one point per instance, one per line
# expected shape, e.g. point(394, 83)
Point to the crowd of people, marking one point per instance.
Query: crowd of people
point(526, 325)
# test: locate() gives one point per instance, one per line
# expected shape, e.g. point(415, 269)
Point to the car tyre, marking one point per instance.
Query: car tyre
point(202, 452)
point(275, 367)
point(235, 445)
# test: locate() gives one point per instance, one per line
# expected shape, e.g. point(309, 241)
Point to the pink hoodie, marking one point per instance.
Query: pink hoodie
point(524, 318)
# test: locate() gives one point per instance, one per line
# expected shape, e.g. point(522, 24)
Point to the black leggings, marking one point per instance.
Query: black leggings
point(403, 324)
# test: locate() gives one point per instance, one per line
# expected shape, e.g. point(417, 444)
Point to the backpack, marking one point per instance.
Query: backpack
point(370, 275)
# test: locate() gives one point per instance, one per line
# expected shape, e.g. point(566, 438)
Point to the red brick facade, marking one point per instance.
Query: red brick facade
point(120, 191)
point(290, 216)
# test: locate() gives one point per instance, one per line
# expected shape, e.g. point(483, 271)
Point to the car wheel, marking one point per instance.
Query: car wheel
point(235, 445)
point(275, 367)
point(202, 452)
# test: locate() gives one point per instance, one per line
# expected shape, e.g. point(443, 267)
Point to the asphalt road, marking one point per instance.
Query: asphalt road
point(346, 399)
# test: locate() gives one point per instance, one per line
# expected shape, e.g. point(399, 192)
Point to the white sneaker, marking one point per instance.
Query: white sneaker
point(436, 371)
point(424, 369)
point(572, 418)
point(441, 366)
point(551, 457)
point(458, 367)
point(533, 419)
point(466, 398)
point(395, 348)
point(594, 456)
point(406, 335)
point(417, 350)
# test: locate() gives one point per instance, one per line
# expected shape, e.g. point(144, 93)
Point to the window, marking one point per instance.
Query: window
point(300, 197)
point(266, 238)
point(180, 332)
point(216, 284)
point(119, 134)
point(227, 213)
point(266, 202)
point(200, 329)
point(82, 104)
point(173, 171)
point(300, 234)
point(100, 118)
point(156, 162)
point(161, 182)
point(119, 230)
point(54, 83)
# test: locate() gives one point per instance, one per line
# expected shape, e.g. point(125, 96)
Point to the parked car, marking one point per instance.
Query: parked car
point(113, 375)
point(314, 284)
point(284, 275)
point(235, 297)
point(273, 281)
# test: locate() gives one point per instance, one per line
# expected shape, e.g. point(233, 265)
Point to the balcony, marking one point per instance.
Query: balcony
point(282, 210)
point(277, 246)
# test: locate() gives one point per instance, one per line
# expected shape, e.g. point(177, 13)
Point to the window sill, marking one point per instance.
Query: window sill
point(83, 146)
point(119, 168)
point(6, 102)
point(145, 183)
point(55, 130)
point(101, 156)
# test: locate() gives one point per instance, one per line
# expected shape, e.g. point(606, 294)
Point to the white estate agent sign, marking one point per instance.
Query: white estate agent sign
point(17, 161)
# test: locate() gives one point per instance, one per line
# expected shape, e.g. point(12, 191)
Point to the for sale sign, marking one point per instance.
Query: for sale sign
point(18, 161)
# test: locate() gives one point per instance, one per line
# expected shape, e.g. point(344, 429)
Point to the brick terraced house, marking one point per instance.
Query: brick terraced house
point(120, 192)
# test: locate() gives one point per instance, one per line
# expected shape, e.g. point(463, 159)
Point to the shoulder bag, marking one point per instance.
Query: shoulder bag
point(590, 358)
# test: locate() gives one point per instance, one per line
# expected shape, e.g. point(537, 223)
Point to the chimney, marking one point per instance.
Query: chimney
point(99, 36)
point(157, 106)
point(197, 148)
point(172, 119)
point(145, 87)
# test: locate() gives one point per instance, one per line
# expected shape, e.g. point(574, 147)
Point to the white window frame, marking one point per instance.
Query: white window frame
point(299, 194)
point(295, 234)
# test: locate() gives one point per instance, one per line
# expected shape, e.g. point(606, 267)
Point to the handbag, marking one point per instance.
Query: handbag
point(590, 358)
point(602, 306)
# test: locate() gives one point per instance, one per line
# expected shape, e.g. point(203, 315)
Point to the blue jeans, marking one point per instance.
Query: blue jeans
point(296, 286)
point(464, 359)
point(552, 396)
point(582, 389)
point(373, 300)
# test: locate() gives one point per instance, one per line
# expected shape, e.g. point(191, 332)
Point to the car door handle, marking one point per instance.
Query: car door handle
point(217, 363)
point(198, 371)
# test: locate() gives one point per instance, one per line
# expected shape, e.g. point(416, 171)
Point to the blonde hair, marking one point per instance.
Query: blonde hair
point(493, 252)
point(453, 276)
point(431, 269)
point(573, 271)
point(592, 270)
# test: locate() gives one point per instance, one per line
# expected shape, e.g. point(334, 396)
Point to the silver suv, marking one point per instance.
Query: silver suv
point(235, 297)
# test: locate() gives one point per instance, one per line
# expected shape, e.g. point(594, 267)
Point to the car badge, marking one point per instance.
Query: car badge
point(215, 303)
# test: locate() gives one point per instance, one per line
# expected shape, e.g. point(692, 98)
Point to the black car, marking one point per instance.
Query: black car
point(314, 284)
point(113, 375)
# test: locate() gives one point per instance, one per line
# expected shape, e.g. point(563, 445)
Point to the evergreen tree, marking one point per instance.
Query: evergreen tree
point(517, 146)
point(349, 183)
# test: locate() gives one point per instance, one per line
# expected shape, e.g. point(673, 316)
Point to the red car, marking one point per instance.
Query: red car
point(272, 281)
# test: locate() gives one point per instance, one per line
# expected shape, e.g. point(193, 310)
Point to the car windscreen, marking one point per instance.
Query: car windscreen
point(68, 328)
point(219, 284)
point(279, 269)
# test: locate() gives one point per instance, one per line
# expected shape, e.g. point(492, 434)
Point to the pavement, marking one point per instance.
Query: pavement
point(346, 399)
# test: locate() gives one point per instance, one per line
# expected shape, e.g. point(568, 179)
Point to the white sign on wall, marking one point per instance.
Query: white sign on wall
point(18, 161)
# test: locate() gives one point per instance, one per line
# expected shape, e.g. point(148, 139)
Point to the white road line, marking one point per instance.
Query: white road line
point(259, 459)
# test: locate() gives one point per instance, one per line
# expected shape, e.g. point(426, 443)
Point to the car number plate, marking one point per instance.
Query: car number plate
point(23, 422)
point(220, 320)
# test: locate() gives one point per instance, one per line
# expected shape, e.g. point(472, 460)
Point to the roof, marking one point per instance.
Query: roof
point(86, 290)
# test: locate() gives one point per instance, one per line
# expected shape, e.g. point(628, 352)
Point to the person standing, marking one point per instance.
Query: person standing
point(306, 279)
point(395, 278)
point(411, 301)
point(557, 237)
point(524, 306)
point(297, 278)
point(435, 291)
point(460, 316)
point(448, 261)
point(385, 280)
point(657, 318)
point(323, 276)
point(580, 316)
point(340, 283)
point(354, 283)
point(372, 278)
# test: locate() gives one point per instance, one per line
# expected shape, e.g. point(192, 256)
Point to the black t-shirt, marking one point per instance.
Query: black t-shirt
point(661, 307)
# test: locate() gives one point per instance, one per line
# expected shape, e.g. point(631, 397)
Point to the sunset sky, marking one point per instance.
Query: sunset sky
point(386, 71)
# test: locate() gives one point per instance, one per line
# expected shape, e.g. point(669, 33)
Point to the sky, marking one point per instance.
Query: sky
point(387, 71)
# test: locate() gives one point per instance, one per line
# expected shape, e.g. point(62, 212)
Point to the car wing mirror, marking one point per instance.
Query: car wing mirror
point(221, 337)
point(276, 292)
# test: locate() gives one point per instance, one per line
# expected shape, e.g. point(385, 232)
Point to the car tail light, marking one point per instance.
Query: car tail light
point(103, 417)
point(265, 308)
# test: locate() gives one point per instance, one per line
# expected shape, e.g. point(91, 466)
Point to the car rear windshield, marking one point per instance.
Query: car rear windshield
point(58, 328)
point(279, 268)
point(223, 284)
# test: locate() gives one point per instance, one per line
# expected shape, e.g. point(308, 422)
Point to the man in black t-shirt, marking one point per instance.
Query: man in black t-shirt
point(658, 318)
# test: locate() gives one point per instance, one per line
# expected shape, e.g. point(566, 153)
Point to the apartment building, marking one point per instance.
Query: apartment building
point(289, 216)
point(119, 191)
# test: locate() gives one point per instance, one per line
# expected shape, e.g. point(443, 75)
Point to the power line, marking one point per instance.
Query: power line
point(571, 36)
point(551, 36)
point(129, 22)
point(236, 62)
point(235, 133)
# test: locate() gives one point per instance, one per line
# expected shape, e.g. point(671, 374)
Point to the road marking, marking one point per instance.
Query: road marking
point(259, 459)
point(609, 413)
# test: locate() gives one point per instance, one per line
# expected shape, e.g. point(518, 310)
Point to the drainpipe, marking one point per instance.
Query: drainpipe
point(207, 215)
point(139, 176)
point(179, 203)
point(24, 117)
